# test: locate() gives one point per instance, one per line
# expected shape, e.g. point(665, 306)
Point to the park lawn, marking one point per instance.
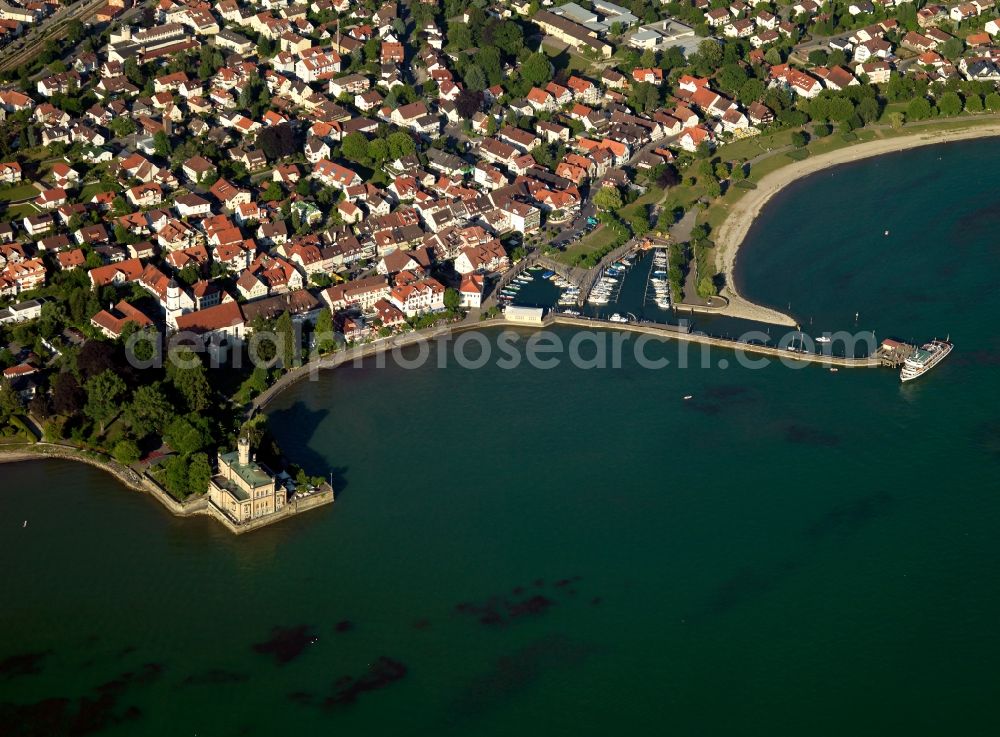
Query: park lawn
point(21, 211)
point(20, 192)
point(969, 120)
point(88, 192)
point(566, 59)
point(748, 148)
point(600, 237)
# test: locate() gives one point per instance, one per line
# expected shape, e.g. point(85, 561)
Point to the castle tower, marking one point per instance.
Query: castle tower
point(244, 448)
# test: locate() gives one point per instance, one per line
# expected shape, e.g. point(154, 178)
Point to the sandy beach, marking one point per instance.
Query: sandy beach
point(730, 235)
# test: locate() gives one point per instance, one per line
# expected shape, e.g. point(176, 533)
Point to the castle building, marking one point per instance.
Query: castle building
point(243, 489)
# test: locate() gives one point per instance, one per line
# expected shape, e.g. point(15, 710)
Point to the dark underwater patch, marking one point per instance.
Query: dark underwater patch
point(381, 673)
point(63, 716)
point(215, 677)
point(22, 664)
point(144, 676)
point(807, 435)
point(499, 611)
point(987, 435)
point(706, 408)
point(727, 391)
point(287, 643)
point(344, 625)
point(744, 585)
point(847, 517)
point(515, 673)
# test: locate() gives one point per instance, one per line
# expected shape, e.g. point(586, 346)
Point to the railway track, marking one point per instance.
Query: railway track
point(53, 28)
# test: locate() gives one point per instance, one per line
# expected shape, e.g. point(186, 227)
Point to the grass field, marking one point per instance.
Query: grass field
point(600, 238)
point(20, 192)
point(566, 58)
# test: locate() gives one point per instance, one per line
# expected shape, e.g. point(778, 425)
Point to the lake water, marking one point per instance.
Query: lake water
point(570, 551)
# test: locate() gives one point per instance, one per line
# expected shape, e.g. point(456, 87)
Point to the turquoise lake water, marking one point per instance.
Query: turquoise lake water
point(579, 552)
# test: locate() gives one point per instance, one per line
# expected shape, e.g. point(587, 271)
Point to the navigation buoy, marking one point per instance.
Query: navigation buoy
point(886, 233)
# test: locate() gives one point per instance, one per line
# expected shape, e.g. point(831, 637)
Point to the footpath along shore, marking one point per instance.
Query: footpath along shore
point(659, 331)
point(731, 234)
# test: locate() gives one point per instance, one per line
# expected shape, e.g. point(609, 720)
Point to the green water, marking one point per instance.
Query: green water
point(790, 552)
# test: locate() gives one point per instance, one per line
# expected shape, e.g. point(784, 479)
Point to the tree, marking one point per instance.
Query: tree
point(869, 110)
point(452, 300)
point(952, 48)
point(199, 473)
point(706, 287)
point(918, 109)
point(709, 54)
point(126, 452)
point(378, 150)
point(732, 77)
point(161, 144)
point(325, 341)
point(176, 476)
point(355, 147)
point(973, 104)
point(488, 59)
point(475, 78)
point(818, 57)
point(285, 335)
point(10, 405)
point(508, 37)
point(187, 436)
point(993, 102)
point(468, 103)
point(537, 69)
point(608, 198)
point(460, 36)
point(149, 411)
point(400, 144)
point(95, 357)
point(799, 139)
point(74, 31)
point(273, 193)
point(122, 126)
point(104, 395)
point(950, 104)
point(187, 373)
point(67, 396)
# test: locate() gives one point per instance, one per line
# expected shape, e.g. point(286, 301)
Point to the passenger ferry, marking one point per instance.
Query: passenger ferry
point(924, 359)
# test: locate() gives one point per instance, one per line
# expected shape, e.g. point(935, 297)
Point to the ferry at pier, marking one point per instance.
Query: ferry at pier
point(924, 359)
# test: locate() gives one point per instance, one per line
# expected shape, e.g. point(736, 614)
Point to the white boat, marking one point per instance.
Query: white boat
point(823, 339)
point(571, 313)
point(617, 318)
point(924, 359)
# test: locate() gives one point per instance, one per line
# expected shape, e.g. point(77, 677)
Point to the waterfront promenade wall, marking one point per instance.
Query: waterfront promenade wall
point(665, 332)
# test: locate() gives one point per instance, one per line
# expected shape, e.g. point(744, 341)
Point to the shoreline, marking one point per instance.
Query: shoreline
point(133, 481)
point(733, 231)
